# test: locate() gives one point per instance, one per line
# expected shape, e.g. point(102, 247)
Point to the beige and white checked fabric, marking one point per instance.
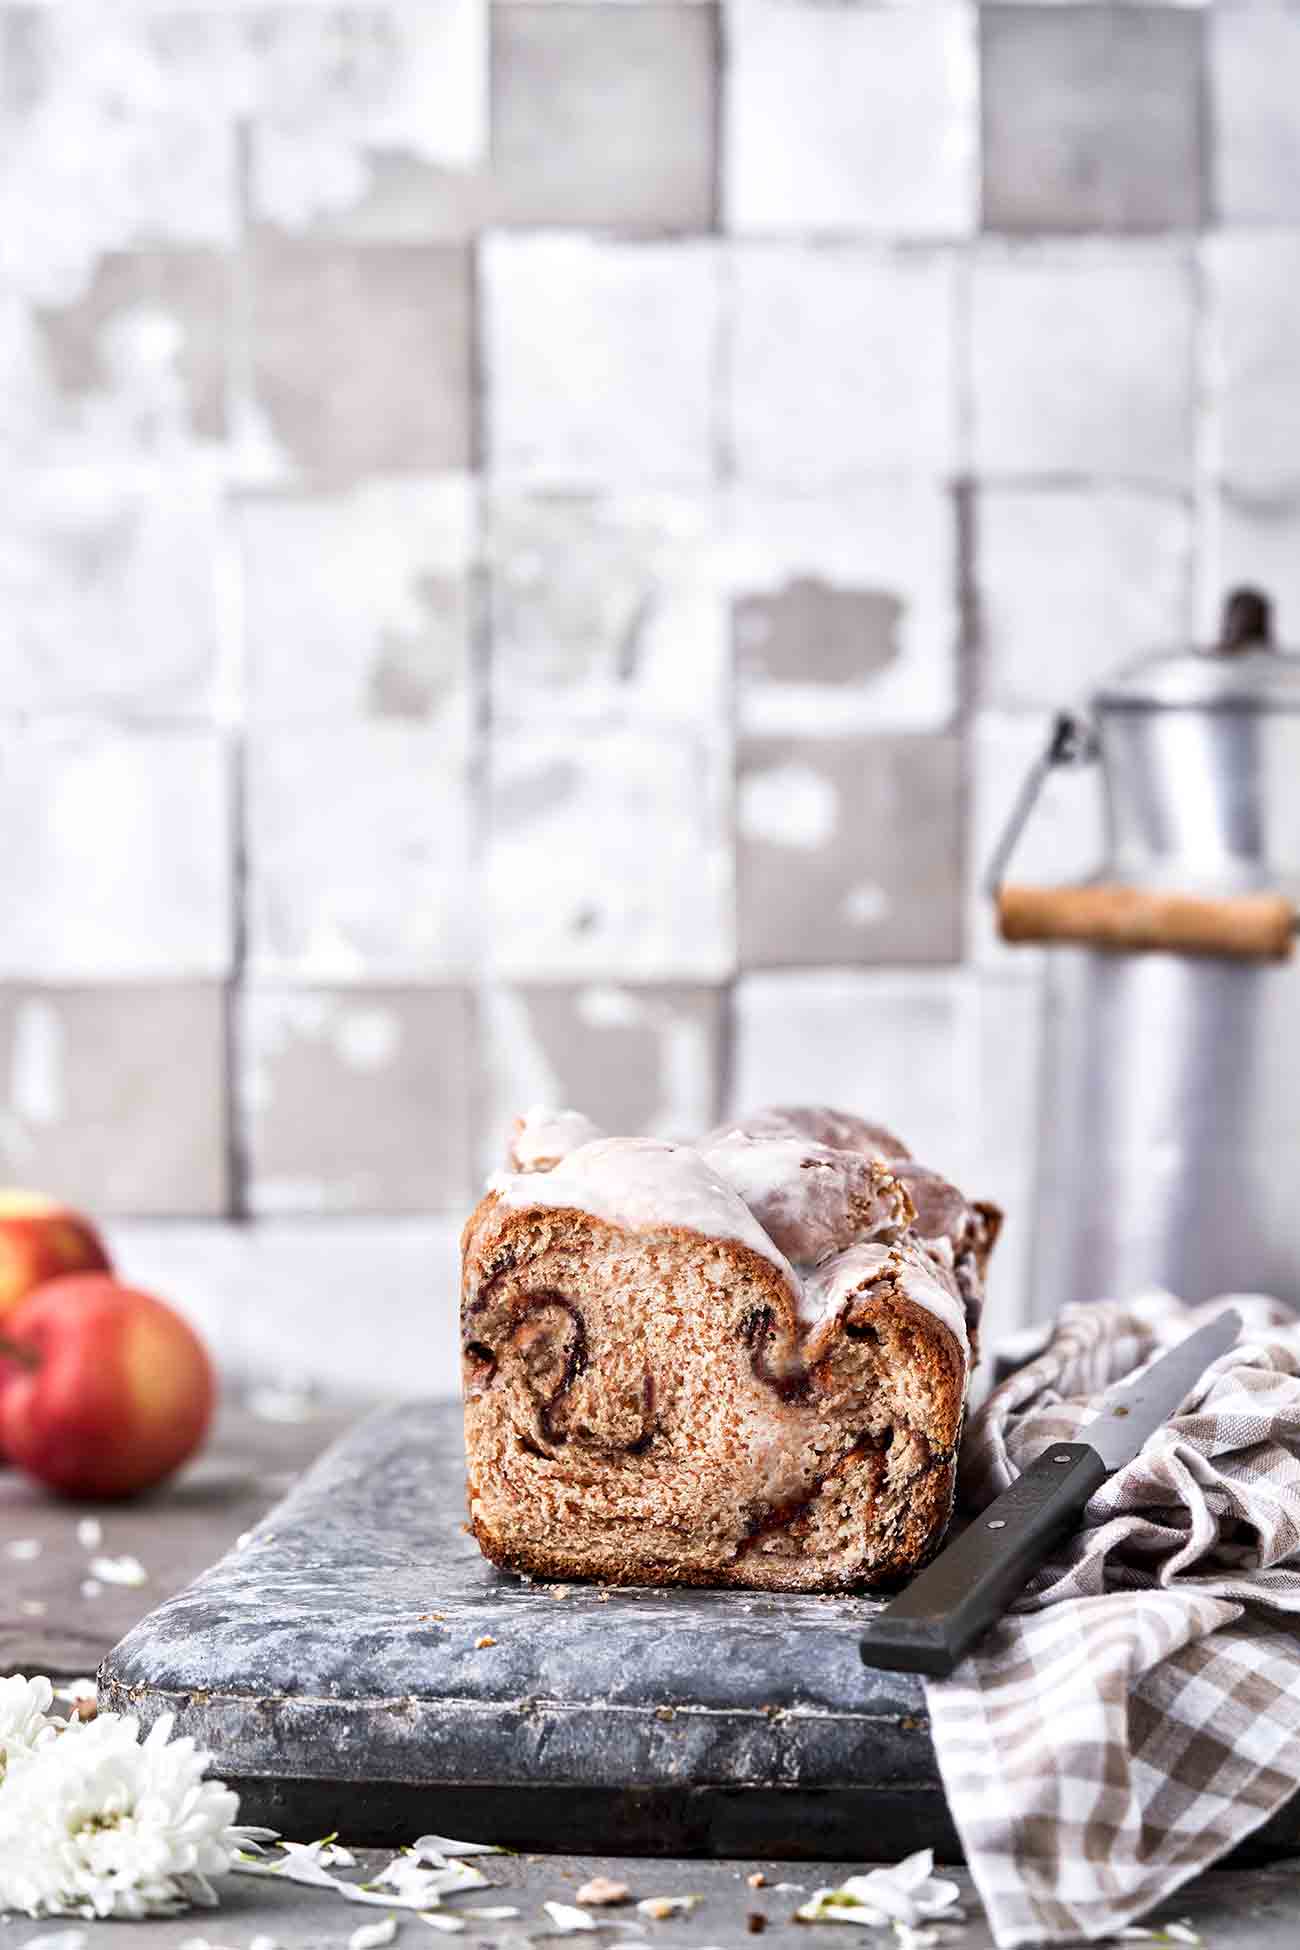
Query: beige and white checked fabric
point(1139, 1713)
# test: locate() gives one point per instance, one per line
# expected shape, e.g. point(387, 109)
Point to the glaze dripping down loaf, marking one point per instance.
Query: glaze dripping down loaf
point(739, 1362)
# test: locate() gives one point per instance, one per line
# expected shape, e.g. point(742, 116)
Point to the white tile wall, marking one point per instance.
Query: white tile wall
point(116, 861)
point(851, 119)
point(1082, 359)
point(842, 363)
point(600, 359)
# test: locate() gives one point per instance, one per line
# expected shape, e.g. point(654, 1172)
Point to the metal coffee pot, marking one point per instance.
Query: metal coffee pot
point(1169, 1124)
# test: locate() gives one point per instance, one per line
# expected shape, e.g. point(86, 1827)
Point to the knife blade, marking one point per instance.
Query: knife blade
point(930, 1627)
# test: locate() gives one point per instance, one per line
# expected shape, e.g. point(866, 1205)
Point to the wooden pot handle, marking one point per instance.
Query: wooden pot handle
point(1250, 927)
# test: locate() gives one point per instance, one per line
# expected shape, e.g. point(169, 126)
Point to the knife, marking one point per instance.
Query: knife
point(932, 1625)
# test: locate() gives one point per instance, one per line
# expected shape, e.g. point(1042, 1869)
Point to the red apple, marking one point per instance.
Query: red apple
point(39, 1240)
point(103, 1389)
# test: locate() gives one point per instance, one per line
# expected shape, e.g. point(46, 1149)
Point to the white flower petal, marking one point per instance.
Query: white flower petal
point(58, 1940)
point(442, 1920)
point(371, 1935)
point(119, 1570)
point(830, 1906)
point(23, 1550)
point(500, 1913)
point(430, 1845)
point(90, 1533)
point(567, 1919)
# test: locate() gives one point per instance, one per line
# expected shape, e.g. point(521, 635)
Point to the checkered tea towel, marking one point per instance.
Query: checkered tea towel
point(1138, 1714)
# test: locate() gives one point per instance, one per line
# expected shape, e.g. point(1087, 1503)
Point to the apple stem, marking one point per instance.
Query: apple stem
point(18, 1352)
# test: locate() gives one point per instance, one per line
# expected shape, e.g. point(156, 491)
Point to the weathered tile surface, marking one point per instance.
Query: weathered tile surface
point(1002, 1133)
point(842, 608)
point(356, 1100)
point(1072, 582)
point(1091, 117)
point(1257, 541)
point(117, 132)
point(111, 590)
point(607, 857)
point(1254, 57)
point(841, 362)
point(603, 115)
point(1063, 842)
point(1254, 418)
point(133, 365)
point(848, 850)
point(357, 604)
point(599, 359)
point(855, 119)
point(1082, 359)
point(635, 1057)
point(116, 861)
point(606, 607)
point(357, 854)
point(356, 1304)
point(395, 460)
point(360, 356)
point(897, 1044)
point(114, 1098)
point(367, 123)
point(351, 1305)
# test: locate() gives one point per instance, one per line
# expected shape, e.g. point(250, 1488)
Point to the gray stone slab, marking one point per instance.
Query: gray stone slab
point(358, 1666)
point(334, 1666)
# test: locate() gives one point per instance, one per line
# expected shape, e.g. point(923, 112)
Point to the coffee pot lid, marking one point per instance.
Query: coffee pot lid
point(1243, 671)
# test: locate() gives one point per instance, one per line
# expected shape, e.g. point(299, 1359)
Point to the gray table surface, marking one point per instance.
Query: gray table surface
point(48, 1625)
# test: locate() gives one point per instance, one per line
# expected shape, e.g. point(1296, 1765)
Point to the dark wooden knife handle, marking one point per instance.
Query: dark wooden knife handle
point(932, 1625)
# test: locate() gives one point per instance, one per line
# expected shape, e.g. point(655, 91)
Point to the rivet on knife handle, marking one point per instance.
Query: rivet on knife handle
point(932, 1625)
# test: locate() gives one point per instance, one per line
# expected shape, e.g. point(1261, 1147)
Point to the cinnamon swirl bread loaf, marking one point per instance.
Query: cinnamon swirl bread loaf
point(737, 1362)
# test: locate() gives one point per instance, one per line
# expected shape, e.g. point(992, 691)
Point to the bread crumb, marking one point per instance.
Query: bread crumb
point(604, 1893)
point(481, 1645)
point(758, 1880)
point(756, 1922)
point(425, 1616)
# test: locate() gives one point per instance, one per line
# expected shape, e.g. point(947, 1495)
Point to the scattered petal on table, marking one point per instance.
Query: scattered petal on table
point(371, 1935)
point(23, 1550)
point(119, 1570)
point(430, 1845)
point(90, 1533)
point(567, 1919)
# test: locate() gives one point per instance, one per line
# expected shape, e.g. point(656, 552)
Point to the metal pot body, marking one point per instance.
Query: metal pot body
point(1169, 1136)
point(1169, 1141)
point(1207, 798)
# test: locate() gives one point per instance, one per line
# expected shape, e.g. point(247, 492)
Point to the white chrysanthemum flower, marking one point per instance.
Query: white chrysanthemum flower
point(25, 1717)
point(95, 1822)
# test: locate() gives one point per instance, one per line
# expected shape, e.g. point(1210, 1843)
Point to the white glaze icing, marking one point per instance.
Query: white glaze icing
point(543, 1136)
point(642, 1184)
point(812, 1199)
point(738, 1182)
point(829, 1289)
point(838, 1128)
